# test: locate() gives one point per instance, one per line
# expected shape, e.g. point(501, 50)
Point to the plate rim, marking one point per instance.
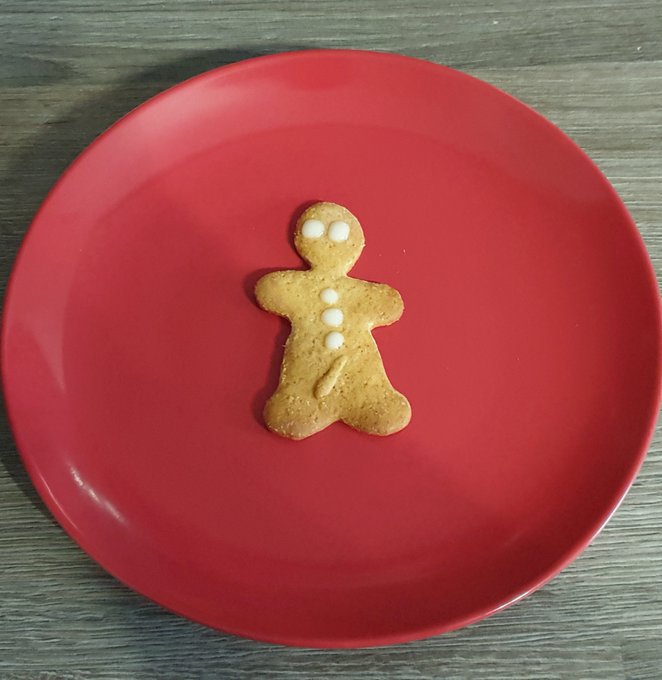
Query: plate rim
point(363, 641)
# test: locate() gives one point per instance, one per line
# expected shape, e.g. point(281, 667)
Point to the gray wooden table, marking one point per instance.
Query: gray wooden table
point(69, 68)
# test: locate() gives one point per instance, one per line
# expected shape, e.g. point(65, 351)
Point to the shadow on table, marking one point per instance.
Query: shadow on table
point(36, 165)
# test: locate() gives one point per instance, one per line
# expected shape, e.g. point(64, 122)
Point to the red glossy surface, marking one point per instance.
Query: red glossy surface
point(136, 362)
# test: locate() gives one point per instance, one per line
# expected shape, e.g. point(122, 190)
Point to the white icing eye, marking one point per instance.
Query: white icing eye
point(332, 316)
point(329, 296)
point(338, 231)
point(334, 340)
point(312, 229)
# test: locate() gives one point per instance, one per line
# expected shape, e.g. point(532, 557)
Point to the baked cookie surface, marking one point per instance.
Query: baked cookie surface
point(331, 368)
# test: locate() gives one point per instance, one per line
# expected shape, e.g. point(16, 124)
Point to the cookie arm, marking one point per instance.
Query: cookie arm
point(388, 305)
point(271, 292)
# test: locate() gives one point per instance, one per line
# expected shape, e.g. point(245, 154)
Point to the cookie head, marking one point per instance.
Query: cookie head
point(328, 236)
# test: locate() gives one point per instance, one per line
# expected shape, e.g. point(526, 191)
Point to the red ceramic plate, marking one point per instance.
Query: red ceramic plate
point(136, 362)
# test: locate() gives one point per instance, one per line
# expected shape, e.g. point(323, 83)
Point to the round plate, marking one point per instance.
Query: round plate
point(137, 364)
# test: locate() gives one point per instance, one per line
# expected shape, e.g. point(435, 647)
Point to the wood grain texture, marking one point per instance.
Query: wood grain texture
point(70, 68)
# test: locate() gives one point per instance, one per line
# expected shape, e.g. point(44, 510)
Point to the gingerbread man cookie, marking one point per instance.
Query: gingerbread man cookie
point(331, 367)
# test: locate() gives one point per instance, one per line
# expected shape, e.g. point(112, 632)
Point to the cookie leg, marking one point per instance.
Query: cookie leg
point(387, 413)
point(295, 417)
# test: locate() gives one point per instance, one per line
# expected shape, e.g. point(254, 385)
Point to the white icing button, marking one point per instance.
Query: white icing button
point(312, 229)
point(338, 231)
point(334, 340)
point(332, 316)
point(329, 296)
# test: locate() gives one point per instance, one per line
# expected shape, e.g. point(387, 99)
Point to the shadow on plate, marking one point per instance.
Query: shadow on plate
point(37, 163)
